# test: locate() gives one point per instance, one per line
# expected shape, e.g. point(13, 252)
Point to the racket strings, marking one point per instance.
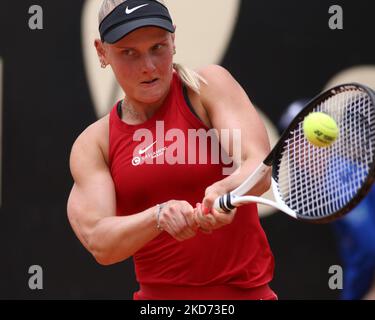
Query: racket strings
point(317, 182)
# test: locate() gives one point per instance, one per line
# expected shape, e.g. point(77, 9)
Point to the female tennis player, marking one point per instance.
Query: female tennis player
point(130, 199)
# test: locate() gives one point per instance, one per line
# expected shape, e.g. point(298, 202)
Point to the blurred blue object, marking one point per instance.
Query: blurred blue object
point(291, 112)
point(356, 235)
point(355, 231)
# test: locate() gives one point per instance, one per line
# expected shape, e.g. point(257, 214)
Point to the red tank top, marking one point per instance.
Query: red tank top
point(236, 255)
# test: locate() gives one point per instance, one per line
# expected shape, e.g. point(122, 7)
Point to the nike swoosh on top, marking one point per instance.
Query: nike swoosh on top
point(129, 11)
point(142, 151)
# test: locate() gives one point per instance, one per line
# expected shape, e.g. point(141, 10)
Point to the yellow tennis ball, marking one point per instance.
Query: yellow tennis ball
point(320, 129)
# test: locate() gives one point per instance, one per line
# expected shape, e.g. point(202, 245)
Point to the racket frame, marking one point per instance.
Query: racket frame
point(237, 197)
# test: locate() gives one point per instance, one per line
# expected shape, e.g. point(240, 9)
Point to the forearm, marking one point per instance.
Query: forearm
point(114, 239)
point(241, 173)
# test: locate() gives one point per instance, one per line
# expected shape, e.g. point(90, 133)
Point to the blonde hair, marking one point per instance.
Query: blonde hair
point(189, 77)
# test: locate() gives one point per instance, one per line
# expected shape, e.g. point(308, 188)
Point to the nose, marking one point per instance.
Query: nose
point(148, 65)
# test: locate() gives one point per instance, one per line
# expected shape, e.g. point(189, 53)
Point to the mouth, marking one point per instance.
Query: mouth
point(150, 81)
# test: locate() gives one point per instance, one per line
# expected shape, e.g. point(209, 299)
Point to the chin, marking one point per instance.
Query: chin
point(152, 95)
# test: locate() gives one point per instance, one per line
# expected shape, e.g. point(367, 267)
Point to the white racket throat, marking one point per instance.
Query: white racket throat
point(236, 199)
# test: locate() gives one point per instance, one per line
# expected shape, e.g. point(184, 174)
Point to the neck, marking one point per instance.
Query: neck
point(136, 113)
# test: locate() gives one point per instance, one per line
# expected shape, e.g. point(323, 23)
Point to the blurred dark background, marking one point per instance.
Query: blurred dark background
point(281, 51)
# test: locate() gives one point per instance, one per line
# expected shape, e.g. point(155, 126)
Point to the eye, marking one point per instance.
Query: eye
point(129, 52)
point(158, 47)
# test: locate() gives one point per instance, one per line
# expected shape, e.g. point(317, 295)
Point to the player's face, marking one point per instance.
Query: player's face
point(142, 63)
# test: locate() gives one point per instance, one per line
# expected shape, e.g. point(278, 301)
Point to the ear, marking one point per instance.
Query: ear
point(101, 51)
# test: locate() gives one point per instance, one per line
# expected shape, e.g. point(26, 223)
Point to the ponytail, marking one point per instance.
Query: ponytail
point(189, 77)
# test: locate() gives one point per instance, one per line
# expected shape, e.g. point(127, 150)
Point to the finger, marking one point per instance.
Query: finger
point(223, 217)
point(205, 221)
point(206, 226)
point(173, 221)
point(230, 213)
point(179, 238)
point(171, 228)
point(178, 234)
point(210, 219)
point(179, 219)
point(169, 222)
point(186, 230)
point(205, 216)
point(205, 231)
point(189, 234)
point(211, 194)
point(182, 225)
point(198, 221)
point(208, 203)
point(205, 209)
point(199, 217)
point(195, 215)
point(186, 234)
point(189, 215)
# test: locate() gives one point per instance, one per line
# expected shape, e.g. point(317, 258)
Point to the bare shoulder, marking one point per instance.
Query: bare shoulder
point(221, 88)
point(212, 70)
point(216, 77)
point(91, 146)
point(94, 136)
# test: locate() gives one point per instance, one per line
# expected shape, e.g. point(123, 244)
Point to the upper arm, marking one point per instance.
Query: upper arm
point(93, 194)
point(229, 107)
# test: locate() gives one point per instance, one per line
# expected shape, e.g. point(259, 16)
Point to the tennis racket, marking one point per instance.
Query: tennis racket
point(317, 184)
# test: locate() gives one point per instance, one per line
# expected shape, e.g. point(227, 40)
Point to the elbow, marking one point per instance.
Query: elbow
point(105, 260)
point(102, 259)
point(103, 255)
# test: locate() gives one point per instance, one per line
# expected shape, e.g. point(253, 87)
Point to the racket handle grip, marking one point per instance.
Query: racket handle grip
point(223, 203)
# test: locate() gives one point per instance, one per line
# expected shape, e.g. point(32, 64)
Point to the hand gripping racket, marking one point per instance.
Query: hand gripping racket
point(319, 184)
